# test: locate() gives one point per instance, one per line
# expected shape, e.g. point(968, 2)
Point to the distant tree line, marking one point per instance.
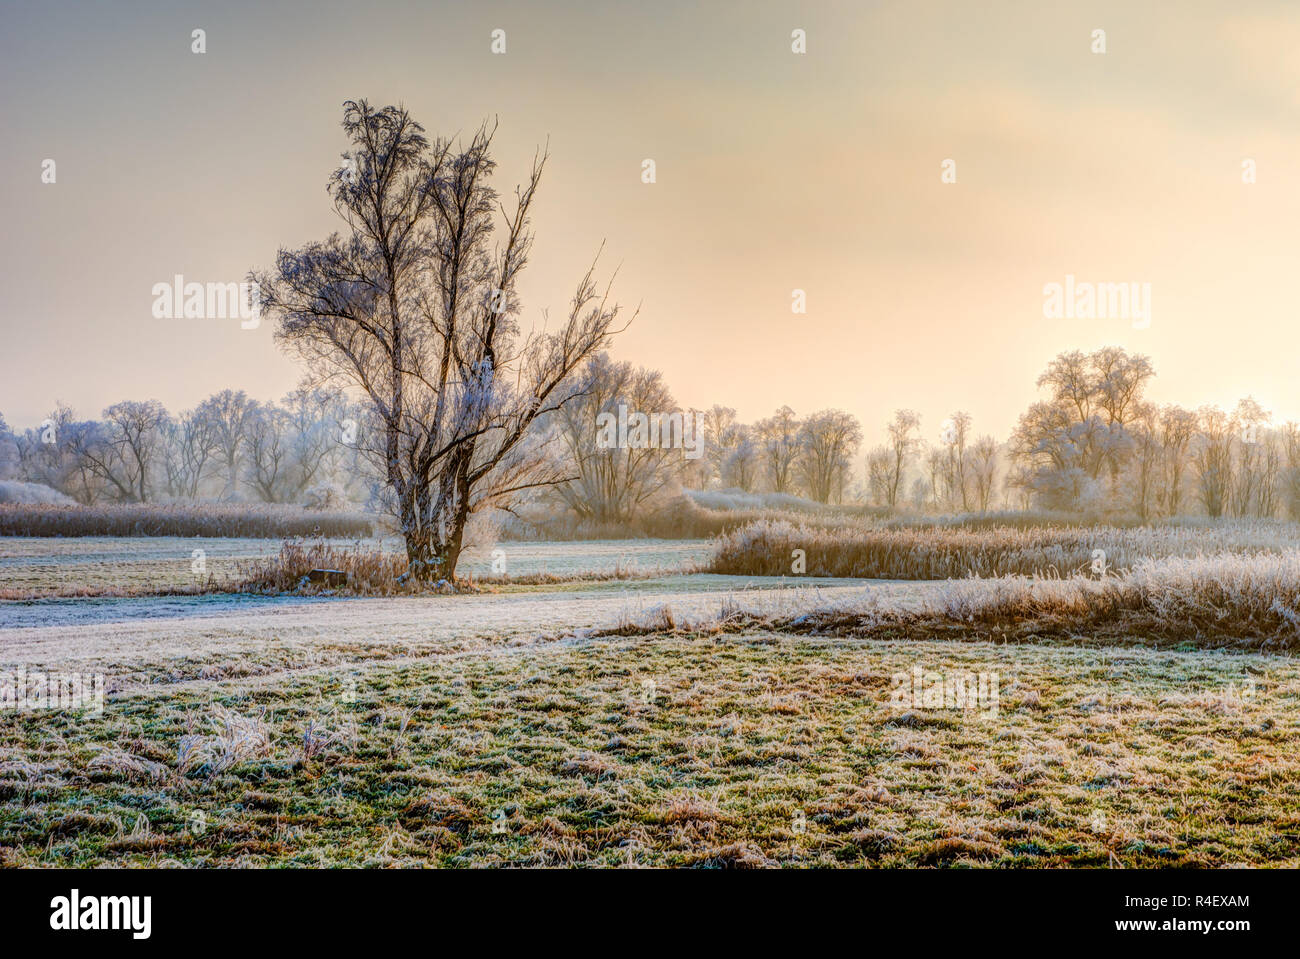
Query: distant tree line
point(811, 456)
point(301, 449)
point(1093, 445)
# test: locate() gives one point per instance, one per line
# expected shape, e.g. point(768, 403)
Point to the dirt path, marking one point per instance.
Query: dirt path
point(125, 632)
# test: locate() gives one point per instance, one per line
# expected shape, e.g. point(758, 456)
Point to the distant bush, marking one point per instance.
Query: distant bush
point(737, 499)
point(955, 552)
point(12, 491)
point(326, 496)
point(190, 519)
point(687, 517)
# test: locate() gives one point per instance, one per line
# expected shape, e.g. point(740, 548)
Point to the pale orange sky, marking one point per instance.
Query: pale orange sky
point(776, 171)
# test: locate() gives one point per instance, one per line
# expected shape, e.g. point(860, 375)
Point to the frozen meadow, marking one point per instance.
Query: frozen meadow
point(32, 566)
point(672, 718)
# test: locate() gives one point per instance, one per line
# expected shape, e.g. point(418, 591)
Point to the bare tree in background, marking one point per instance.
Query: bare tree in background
point(1290, 477)
point(778, 440)
point(188, 449)
point(121, 450)
point(828, 441)
point(1066, 442)
point(1255, 472)
point(1177, 428)
point(227, 417)
point(1147, 451)
point(879, 479)
point(1213, 459)
point(612, 485)
point(940, 483)
point(269, 461)
point(983, 457)
point(312, 436)
point(719, 437)
point(957, 429)
point(416, 309)
point(741, 467)
point(902, 431)
point(10, 460)
point(48, 455)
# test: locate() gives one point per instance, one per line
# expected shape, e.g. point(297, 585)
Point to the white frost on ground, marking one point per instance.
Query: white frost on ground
point(37, 563)
point(104, 634)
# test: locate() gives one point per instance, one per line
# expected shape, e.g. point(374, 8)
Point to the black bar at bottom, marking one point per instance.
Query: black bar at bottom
point(301, 908)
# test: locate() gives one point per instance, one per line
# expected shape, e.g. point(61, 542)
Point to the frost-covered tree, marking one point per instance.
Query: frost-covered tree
point(982, 465)
point(317, 436)
point(612, 484)
point(188, 451)
point(956, 432)
point(1073, 445)
point(414, 306)
point(122, 451)
point(1147, 453)
point(1212, 458)
point(828, 441)
point(1289, 481)
point(903, 442)
point(228, 417)
point(1254, 475)
point(778, 441)
point(740, 468)
point(9, 460)
point(269, 463)
point(880, 475)
point(1177, 428)
point(720, 434)
point(937, 472)
point(46, 456)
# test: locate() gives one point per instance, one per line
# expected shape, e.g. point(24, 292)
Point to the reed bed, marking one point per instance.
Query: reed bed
point(272, 521)
point(768, 548)
point(1227, 601)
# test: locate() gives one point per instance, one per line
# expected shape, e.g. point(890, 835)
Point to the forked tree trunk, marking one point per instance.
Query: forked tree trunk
point(433, 526)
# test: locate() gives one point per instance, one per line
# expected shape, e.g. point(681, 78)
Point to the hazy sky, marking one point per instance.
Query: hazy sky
point(776, 171)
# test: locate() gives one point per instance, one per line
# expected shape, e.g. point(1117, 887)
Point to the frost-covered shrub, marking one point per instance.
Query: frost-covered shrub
point(12, 491)
point(737, 499)
point(325, 496)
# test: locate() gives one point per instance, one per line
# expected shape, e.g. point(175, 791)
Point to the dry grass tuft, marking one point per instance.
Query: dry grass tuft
point(117, 762)
point(370, 572)
point(236, 739)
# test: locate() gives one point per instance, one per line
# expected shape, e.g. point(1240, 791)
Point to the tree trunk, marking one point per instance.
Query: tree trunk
point(433, 525)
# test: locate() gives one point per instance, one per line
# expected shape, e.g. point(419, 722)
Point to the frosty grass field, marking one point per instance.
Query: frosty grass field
point(45, 564)
point(638, 721)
